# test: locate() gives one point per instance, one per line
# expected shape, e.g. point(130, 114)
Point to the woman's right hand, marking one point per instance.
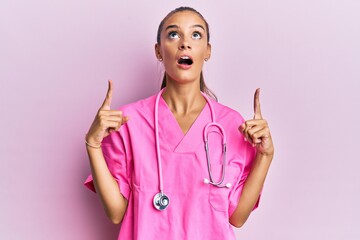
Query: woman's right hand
point(106, 120)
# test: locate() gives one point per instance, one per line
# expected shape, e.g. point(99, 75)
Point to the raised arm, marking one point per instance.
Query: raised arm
point(257, 132)
point(106, 120)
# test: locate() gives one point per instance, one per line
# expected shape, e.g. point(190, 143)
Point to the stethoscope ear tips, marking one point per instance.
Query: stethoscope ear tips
point(207, 181)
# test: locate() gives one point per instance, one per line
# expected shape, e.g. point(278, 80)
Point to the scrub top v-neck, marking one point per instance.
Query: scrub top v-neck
point(176, 139)
point(197, 210)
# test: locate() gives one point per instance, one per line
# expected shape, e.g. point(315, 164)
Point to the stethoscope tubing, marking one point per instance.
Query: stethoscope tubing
point(160, 197)
point(157, 140)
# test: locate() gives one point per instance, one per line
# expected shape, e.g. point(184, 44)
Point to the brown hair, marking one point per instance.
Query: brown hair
point(203, 86)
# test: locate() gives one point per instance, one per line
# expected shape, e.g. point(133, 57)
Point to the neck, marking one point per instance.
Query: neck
point(183, 99)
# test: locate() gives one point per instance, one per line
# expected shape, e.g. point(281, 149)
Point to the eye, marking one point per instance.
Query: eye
point(196, 35)
point(173, 35)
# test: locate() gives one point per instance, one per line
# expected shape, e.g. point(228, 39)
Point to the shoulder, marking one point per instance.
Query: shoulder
point(140, 115)
point(225, 112)
point(139, 107)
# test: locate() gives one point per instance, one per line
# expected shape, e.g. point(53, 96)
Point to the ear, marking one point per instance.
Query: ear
point(157, 51)
point(208, 51)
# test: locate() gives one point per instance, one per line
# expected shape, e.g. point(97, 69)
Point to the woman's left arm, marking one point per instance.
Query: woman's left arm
point(255, 131)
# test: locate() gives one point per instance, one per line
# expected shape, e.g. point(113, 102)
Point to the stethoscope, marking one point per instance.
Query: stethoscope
point(161, 200)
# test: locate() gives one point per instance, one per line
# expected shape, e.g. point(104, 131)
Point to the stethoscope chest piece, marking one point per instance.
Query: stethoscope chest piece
point(161, 201)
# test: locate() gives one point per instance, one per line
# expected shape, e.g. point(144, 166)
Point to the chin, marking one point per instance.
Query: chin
point(185, 77)
point(185, 80)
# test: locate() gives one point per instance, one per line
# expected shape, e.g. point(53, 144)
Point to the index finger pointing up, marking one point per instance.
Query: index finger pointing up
point(257, 110)
point(107, 101)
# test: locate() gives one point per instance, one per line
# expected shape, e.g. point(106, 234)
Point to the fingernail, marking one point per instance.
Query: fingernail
point(245, 139)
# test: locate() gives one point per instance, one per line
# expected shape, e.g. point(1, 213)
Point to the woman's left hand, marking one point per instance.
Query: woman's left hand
point(257, 131)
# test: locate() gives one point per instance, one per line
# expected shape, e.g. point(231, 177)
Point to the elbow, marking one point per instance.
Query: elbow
point(116, 216)
point(115, 220)
point(237, 224)
point(237, 221)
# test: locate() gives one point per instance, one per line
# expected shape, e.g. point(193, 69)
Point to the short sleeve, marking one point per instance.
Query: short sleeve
point(235, 193)
point(115, 156)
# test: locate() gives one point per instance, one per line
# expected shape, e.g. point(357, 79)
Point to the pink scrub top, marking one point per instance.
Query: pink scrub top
point(196, 210)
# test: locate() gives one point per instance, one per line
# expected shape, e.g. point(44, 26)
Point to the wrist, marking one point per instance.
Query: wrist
point(91, 144)
point(264, 157)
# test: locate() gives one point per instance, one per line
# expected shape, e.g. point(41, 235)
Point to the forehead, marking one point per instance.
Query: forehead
point(184, 19)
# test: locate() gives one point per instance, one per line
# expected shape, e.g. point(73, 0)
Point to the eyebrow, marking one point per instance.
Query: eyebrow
point(193, 26)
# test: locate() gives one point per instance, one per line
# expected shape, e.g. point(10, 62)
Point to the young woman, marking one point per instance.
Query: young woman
point(178, 165)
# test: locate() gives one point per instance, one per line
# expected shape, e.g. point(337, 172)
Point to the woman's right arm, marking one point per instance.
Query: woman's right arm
point(114, 203)
point(106, 121)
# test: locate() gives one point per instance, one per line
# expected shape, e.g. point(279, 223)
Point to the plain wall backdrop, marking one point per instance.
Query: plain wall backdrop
point(56, 58)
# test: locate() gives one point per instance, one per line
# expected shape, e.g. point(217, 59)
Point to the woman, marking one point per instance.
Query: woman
point(148, 161)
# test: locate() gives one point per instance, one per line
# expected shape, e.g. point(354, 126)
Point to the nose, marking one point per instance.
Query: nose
point(184, 45)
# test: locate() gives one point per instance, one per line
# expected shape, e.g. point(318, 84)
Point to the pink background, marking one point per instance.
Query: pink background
point(56, 57)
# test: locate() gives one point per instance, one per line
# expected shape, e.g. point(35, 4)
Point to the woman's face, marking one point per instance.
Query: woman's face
point(183, 46)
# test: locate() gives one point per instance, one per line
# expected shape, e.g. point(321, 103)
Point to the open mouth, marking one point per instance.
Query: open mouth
point(185, 60)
